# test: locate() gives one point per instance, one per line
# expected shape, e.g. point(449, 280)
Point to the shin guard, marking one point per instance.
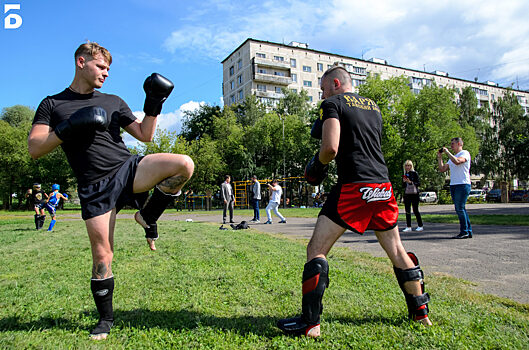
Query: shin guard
point(42, 218)
point(153, 209)
point(102, 291)
point(417, 304)
point(37, 221)
point(315, 280)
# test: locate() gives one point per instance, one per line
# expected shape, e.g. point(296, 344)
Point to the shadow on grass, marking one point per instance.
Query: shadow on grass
point(179, 320)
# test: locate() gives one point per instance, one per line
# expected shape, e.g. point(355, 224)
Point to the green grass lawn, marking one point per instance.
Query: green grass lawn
point(207, 288)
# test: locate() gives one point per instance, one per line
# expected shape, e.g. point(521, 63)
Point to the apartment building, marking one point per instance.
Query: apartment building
point(263, 68)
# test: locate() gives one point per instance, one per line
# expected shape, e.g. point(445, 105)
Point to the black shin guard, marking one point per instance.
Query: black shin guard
point(42, 218)
point(153, 209)
point(102, 290)
point(417, 304)
point(315, 280)
point(37, 221)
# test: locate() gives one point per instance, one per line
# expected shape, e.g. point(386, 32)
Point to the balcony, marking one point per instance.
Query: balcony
point(264, 62)
point(268, 94)
point(272, 79)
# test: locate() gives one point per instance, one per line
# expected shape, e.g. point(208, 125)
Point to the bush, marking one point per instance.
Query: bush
point(444, 197)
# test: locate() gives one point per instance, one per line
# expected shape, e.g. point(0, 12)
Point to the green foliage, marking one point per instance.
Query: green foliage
point(226, 292)
point(18, 115)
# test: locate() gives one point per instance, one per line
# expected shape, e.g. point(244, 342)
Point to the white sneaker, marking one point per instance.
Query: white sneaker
point(407, 229)
point(418, 229)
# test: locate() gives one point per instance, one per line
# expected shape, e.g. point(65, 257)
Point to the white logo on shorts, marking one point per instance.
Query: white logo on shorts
point(102, 292)
point(370, 194)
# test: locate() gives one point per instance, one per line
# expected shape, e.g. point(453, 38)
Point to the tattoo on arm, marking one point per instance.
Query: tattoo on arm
point(174, 182)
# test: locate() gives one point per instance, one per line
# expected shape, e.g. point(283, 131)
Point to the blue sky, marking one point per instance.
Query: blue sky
point(186, 41)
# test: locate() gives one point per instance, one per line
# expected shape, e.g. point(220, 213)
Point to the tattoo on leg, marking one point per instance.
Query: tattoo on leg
point(174, 182)
point(101, 271)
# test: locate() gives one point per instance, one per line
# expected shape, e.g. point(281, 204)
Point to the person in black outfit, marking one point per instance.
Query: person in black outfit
point(350, 129)
point(38, 197)
point(411, 183)
point(86, 124)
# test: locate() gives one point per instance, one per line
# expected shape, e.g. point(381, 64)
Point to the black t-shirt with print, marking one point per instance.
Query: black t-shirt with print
point(359, 157)
point(93, 155)
point(39, 197)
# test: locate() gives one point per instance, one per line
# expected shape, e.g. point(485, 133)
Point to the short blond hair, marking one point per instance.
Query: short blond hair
point(408, 162)
point(92, 49)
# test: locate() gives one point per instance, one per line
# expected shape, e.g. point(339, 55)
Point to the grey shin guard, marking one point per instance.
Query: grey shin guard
point(102, 291)
point(417, 304)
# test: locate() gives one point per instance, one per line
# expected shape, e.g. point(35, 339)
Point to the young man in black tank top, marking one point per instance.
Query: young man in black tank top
point(350, 127)
point(86, 124)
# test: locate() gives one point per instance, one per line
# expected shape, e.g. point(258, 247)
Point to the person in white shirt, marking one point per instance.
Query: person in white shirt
point(459, 165)
point(275, 198)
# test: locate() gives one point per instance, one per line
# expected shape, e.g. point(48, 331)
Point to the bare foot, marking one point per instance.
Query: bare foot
point(150, 242)
point(100, 336)
point(425, 321)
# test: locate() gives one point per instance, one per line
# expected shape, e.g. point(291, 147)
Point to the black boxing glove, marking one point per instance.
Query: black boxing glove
point(316, 171)
point(85, 120)
point(157, 89)
point(317, 128)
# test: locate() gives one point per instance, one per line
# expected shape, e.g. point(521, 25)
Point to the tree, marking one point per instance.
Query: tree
point(199, 122)
point(510, 125)
point(18, 115)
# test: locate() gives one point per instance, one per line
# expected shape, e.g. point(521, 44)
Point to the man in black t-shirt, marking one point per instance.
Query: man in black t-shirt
point(350, 127)
point(38, 197)
point(86, 124)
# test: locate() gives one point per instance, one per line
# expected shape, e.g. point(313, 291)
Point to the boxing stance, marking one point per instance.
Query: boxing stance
point(39, 198)
point(86, 124)
point(53, 201)
point(350, 127)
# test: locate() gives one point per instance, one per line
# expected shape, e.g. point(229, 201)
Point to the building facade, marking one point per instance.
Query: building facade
point(263, 68)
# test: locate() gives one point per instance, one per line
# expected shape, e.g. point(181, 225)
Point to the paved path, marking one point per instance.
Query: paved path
point(496, 259)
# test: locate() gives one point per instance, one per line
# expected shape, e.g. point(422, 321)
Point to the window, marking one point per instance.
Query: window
point(279, 58)
point(319, 81)
point(307, 83)
point(232, 99)
point(232, 70)
point(239, 80)
point(241, 95)
point(278, 89)
point(261, 87)
point(281, 74)
point(260, 55)
point(320, 67)
point(294, 90)
point(320, 95)
point(294, 77)
point(307, 69)
point(293, 62)
point(360, 70)
point(261, 71)
point(310, 98)
point(232, 85)
point(329, 66)
point(416, 80)
point(239, 64)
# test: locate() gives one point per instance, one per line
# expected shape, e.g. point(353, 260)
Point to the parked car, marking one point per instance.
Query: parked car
point(494, 195)
point(428, 197)
point(519, 196)
point(477, 194)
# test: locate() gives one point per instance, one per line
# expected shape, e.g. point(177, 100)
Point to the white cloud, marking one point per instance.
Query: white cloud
point(171, 121)
point(454, 36)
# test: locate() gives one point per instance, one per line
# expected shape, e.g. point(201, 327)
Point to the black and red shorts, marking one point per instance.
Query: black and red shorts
point(362, 206)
